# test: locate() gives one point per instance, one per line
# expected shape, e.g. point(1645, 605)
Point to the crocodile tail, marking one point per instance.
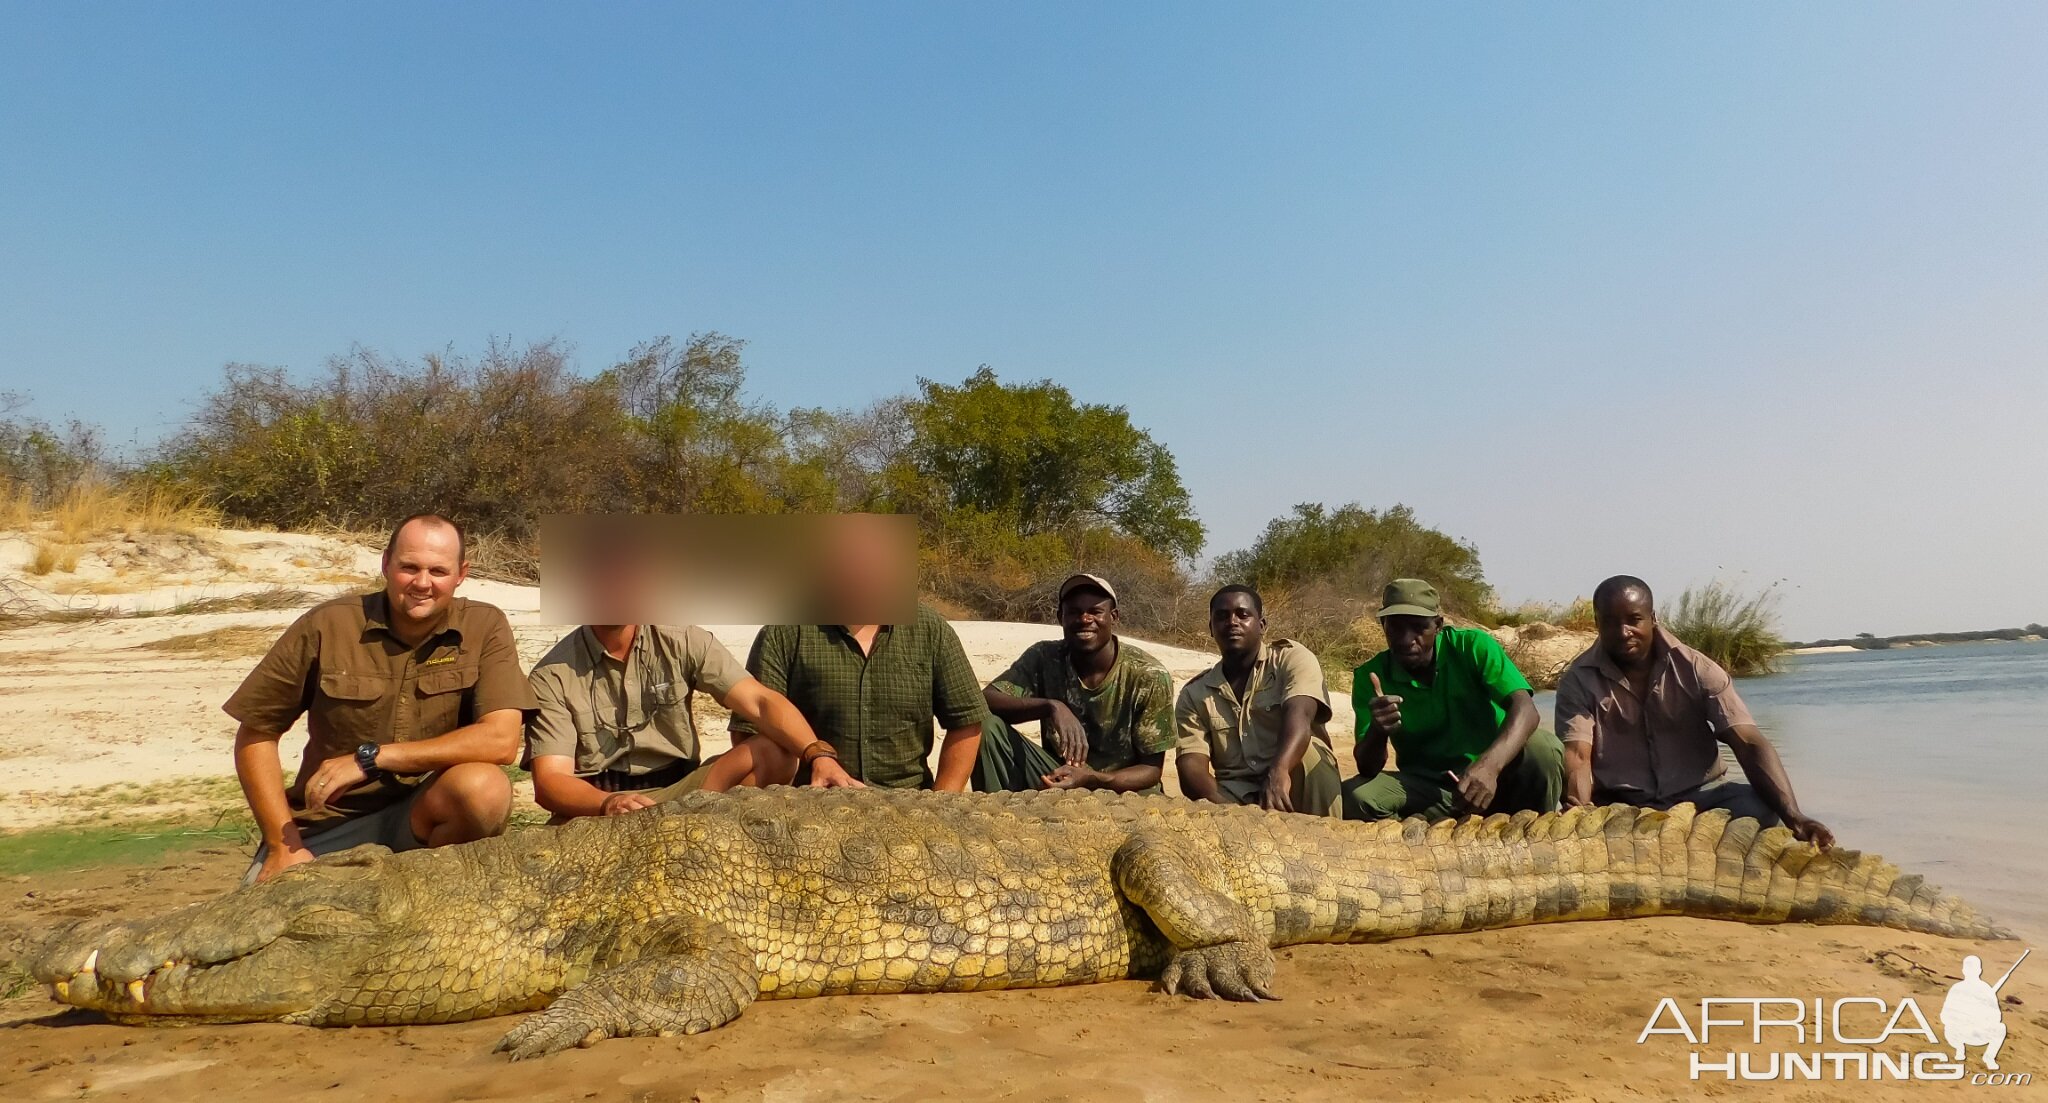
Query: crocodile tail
point(1618, 861)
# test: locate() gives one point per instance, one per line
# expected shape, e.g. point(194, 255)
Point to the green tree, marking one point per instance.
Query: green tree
point(1357, 551)
point(1029, 457)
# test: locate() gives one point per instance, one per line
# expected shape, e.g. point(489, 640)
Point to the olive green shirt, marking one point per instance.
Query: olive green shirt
point(875, 709)
point(1454, 719)
point(1128, 716)
point(340, 667)
point(635, 715)
point(1242, 737)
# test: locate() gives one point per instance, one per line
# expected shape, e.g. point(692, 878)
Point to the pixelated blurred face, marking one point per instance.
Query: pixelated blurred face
point(422, 571)
point(617, 580)
point(868, 570)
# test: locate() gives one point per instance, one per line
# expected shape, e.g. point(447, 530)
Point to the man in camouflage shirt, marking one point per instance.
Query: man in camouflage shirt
point(1104, 707)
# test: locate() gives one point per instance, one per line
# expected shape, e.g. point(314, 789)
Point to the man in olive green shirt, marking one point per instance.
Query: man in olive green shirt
point(615, 722)
point(872, 691)
point(1460, 718)
point(1251, 729)
point(1104, 707)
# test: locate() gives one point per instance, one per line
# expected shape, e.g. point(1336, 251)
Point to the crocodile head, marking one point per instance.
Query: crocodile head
point(270, 952)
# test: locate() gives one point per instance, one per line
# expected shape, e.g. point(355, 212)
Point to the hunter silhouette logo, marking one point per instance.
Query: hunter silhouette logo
point(1971, 1015)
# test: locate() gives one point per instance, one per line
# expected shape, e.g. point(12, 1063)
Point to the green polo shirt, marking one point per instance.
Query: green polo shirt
point(875, 709)
point(1450, 722)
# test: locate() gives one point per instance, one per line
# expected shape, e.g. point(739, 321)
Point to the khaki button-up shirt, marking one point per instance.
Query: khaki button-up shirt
point(633, 715)
point(340, 667)
point(1242, 737)
point(1656, 747)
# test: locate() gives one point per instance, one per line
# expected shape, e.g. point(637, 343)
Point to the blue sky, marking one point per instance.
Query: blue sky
point(1749, 291)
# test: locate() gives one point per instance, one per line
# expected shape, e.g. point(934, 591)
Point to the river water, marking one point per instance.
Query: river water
point(1935, 757)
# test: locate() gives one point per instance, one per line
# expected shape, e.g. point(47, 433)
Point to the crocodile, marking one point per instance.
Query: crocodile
point(673, 919)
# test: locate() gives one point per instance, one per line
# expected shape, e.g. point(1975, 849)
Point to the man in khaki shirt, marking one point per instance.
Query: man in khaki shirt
point(413, 699)
point(1643, 718)
point(1252, 727)
point(614, 722)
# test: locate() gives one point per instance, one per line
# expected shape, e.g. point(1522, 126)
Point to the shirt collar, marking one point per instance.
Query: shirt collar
point(1395, 672)
point(1660, 651)
point(377, 615)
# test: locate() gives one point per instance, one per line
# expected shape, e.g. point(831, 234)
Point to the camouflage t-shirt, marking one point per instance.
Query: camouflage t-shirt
point(1130, 714)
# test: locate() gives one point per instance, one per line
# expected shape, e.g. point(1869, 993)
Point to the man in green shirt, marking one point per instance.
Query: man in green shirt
point(1460, 718)
point(1103, 706)
point(871, 691)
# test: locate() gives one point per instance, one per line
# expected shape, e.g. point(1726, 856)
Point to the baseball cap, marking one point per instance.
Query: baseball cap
point(1080, 580)
point(1409, 597)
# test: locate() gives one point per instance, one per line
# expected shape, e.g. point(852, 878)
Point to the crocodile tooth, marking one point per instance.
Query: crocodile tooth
point(91, 960)
point(62, 990)
point(135, 991)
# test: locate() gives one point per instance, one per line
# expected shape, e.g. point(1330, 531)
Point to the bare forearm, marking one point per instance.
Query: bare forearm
point(1514, 732)
point(1016, 710)
point(1578, 773)
point(778, 719)
point(1197, 780)
point(565, 794)
point(262, 778)
point(492, 739)
point(956, 759)
point(1134, 778)
point(1765, 770)
point(1370, 752)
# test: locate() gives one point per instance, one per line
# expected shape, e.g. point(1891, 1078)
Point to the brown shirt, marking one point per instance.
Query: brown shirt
point(1654, 748)
point(1242, 737)
point(633, 715)
point(340, 667)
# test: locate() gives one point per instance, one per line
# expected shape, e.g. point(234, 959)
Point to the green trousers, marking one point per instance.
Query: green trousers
point(1532, 782)
point(1009, 762)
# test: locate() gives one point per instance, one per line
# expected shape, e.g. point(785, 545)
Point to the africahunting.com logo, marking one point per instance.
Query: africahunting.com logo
point(1811, 1039)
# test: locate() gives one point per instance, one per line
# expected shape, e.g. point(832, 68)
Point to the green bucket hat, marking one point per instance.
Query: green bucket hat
point(1409, 597)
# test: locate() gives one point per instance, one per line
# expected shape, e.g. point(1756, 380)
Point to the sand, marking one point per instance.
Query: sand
point(1547, 1013)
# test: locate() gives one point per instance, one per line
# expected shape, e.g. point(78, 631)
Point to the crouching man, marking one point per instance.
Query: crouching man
point(614, 721)
point(413, 699)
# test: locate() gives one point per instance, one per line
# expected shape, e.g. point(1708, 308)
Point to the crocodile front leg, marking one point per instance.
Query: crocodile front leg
point(1217, 947)
point(691, 977)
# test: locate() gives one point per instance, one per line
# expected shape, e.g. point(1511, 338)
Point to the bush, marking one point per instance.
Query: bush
point(1740, 633)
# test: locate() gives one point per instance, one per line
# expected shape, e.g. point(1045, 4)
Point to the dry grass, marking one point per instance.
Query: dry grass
point(98, 509)
point(235, 642)
point(273, 597)
point(18, 609)
point(17, 509)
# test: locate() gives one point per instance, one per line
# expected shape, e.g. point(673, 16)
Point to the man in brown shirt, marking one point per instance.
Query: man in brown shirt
point(1253, 728)
point(413, 699)
point(1643, 718)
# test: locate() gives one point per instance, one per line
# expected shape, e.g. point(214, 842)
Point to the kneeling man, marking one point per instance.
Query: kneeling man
point(1104, 707)
point(1251, 729)
point(1458, 714)
point(614, 722)
point(1643, 718)
point(413, 699)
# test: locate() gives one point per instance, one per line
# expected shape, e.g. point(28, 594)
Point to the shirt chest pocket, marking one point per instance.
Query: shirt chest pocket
point(443, 699)
point(354, 708)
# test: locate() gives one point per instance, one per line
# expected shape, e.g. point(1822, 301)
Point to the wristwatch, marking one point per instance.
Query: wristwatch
point(366, 760)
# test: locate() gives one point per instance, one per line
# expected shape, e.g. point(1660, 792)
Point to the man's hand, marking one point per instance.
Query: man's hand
point(1476, 789)
point(827, 773)
point(1386, 710)
point(1809, 830)
point(280, 858)
point(331, 779)
point(1067, 732)
point(1072, 776)
point(1278, 795)
point(618, 804)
